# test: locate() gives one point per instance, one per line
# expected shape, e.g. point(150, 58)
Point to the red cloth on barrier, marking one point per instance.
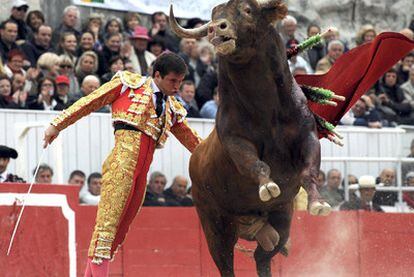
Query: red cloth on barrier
point(355, 72)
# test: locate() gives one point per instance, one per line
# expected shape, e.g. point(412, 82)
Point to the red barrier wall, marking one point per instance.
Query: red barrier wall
point(170, 242)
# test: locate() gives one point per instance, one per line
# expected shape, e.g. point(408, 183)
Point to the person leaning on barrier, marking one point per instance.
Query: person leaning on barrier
point(408, 196)
point(366, 189)
point(5, 154)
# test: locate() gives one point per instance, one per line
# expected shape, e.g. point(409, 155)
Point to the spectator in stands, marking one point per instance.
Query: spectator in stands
point(321, 180)
point(408, 167)
point(335, 50)
point(15, 59)
point(86, 43)
point(91, 194)
point(154, 195)
point(5, 154)
point(66, 68)
point(176, 195)
point(186, 97)
point(19, 90)
point(131, 21)
point(7, 101)
point(318, 51)
point(8, 37)
point(40, 44)
point(366, 188)
point(140, 57)
point(18, 14)
point(297, 61)
point(386, 179)
point(44, 174)
point(366, 34)
point(209, 109)
point(61, 96)
point(34, 20)
point(47, 65)
point(156, 46)
point(393, 105)
point(408, 33)
point(67, 46)
point(116, 64)
point(111, 48)
point(95, 26)
point(403, 69)
point(113, 26)
point(89, 84)
point(87, 65)
point(408, 196)
point(18, 82)
point(189, 51)
point(44, 99)
point(362, 113)
point(160, 28)
point(77, 178)
point(331, 192)
point(288, 30)
point(71, 16)
point(205, 89)
point(408, 88)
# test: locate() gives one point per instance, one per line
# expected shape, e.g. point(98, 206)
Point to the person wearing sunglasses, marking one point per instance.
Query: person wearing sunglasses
point(18, 14)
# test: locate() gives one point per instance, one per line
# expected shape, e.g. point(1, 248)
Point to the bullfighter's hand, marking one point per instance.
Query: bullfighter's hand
point(50, 134)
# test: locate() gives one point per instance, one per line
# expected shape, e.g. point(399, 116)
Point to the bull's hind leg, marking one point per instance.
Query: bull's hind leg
point(280, 222)
point(246, 158)
point(220, 232)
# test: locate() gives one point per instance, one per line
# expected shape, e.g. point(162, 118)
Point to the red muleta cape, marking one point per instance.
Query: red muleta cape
point(356, 71)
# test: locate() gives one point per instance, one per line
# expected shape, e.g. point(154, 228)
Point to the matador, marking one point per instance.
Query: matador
point(144, 112)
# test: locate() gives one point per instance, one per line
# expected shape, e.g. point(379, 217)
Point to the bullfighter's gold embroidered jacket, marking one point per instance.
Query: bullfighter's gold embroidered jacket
point(131, 98)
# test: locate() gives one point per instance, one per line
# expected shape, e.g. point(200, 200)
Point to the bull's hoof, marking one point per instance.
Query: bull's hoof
point(268, 191)
point(321, 209)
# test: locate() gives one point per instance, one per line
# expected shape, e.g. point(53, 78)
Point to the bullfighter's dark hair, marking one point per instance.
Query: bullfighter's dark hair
point(169, 62)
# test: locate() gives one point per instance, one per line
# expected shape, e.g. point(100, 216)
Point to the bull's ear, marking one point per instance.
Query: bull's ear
point(273, 10)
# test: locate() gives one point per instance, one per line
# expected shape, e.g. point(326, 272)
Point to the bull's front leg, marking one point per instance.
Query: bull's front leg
point(245, 156)
point(316, 204)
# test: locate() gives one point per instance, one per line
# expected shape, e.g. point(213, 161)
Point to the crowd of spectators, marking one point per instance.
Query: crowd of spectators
point(47, 67)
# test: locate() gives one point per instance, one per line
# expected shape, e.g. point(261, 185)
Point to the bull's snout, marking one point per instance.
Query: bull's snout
point(218, 26)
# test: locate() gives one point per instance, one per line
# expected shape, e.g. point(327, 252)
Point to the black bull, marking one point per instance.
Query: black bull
point(265, 144)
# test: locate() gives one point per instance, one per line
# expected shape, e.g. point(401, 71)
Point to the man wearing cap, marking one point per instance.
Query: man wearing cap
point(144, 112)
point(366, 189)
point(140, 57)
point(62, 93)
point(5, 154)
point(18, 14)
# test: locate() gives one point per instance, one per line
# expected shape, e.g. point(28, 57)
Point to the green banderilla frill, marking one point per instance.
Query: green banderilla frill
point(321, 95)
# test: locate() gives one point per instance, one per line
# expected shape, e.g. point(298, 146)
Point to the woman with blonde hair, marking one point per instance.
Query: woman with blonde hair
point(366, 34)
point(87, 65)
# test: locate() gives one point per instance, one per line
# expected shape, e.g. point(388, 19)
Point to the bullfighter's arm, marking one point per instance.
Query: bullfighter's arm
point(186, 135)
point(102, 96)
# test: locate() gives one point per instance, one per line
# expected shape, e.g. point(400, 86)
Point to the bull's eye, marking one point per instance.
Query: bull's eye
point(247, 10)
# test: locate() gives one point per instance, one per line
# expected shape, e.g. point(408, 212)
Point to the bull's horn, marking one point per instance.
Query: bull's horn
point(186, 33)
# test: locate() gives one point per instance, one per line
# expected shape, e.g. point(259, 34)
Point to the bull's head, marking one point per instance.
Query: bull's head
point(235, 25)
